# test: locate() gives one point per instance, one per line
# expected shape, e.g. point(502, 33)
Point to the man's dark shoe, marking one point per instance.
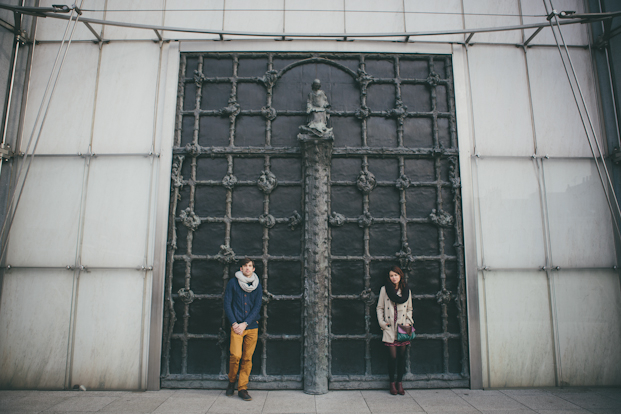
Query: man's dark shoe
point(230, 390)
point(243, 394)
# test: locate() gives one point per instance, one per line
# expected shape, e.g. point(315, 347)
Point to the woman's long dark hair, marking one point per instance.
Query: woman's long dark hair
point(398, 271)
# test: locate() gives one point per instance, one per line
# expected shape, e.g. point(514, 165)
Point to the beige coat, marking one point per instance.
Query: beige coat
point(386, 314)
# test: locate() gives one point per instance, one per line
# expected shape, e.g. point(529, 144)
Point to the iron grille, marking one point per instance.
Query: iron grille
point(238, 190)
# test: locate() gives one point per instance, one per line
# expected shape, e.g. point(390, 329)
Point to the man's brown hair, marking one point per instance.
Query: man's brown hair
point(245, 261)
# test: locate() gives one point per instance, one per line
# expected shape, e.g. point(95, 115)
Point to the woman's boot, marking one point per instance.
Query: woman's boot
point(400, 389)
point(393, 389)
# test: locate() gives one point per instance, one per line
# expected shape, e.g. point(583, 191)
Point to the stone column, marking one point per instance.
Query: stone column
point(317, 153)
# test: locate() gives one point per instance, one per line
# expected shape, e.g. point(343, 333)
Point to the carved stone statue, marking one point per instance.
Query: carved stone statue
point(316, 107)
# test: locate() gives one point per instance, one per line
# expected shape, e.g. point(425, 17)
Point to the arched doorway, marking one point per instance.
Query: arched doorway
point(240, 188)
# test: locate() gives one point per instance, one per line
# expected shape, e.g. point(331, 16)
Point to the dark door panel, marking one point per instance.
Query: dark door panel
point(238, 190)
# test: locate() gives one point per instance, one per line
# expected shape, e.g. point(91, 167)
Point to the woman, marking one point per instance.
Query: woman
point(395, 307)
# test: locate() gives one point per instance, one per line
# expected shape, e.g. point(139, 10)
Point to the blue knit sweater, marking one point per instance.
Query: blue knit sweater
point(241, 306)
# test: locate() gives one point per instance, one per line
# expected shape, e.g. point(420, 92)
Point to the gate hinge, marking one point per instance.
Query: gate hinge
point(6, 152)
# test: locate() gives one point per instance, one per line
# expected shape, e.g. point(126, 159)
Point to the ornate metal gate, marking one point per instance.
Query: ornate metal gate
point(242, 187)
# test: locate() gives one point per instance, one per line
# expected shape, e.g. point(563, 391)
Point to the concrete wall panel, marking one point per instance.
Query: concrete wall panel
point(581, 229)
point(67, 128)
point(589, 324)
point(434, 16)
point(34, 328)
point(126, 98)
point(254, 16)
point(188, 14)
point(493, 13)
point(559, 130)
point(519, 330)
point(45, 227)
point(136, 11)
point(511, 216)
point(53, 29)
point(116, 217)
point(109, 330)
point(534, 11)
point(328, 19)
point(368, 16)
point(500, 101)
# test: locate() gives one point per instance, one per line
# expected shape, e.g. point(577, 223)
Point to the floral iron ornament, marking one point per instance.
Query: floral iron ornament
point(186, 295)
point(336, 219)
point(229, 181)
point(267, 182)
point(189, 219)
point(406, 259)
point(267, 220)
point(366, 181)
point(226, 255)
point(176, 177)
point(295, 220)
point(441, 218)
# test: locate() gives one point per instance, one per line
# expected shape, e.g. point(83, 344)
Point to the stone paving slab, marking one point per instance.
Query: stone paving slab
point(545, 402)
point(525, 391)
point(32, 403)
point(289, 402)
point(84, 404)
point(440, 401)
point(380, 402)
point(234, 404)
point(136, 403)
point(591, 400)
point(604, 411)
point(614, 393)
point(188, 403)
point(339, 402)
point(452, 410)
point(493, 402)
point(446, 400)
point(503, 411)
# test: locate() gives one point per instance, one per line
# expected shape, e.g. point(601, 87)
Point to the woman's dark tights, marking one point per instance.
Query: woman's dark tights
point(396, 361)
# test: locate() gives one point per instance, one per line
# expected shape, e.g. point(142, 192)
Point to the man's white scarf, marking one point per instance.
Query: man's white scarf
point(244, 281)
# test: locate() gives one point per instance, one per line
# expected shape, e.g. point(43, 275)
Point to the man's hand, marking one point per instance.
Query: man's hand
point(239, 328)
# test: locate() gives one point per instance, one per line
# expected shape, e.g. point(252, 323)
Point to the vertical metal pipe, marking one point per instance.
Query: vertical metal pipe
point(170, 316)
point(9, 93)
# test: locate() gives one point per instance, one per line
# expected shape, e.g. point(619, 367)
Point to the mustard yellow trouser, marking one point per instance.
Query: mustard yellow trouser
point(242, 348)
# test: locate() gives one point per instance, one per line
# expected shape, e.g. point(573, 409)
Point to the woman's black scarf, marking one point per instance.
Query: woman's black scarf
point(392, 293)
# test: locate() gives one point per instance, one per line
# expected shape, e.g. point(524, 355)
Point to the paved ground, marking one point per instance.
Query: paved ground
point(522, 401)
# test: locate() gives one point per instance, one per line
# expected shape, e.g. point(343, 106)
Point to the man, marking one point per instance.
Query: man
point(242, 303)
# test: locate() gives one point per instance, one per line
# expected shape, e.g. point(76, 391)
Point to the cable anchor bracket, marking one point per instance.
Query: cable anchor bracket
point(551, 15)
point(6, 152)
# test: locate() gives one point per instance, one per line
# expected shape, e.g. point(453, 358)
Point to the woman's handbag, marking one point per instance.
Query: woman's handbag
point(405, 333)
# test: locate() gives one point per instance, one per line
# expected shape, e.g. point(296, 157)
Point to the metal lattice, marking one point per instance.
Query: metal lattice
point(238, 190)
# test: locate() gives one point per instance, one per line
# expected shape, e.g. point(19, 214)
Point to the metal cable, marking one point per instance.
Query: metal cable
point(8, 220)
point(316, 35)
point(585, 107)
point(586, 130)
point(315, 10)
